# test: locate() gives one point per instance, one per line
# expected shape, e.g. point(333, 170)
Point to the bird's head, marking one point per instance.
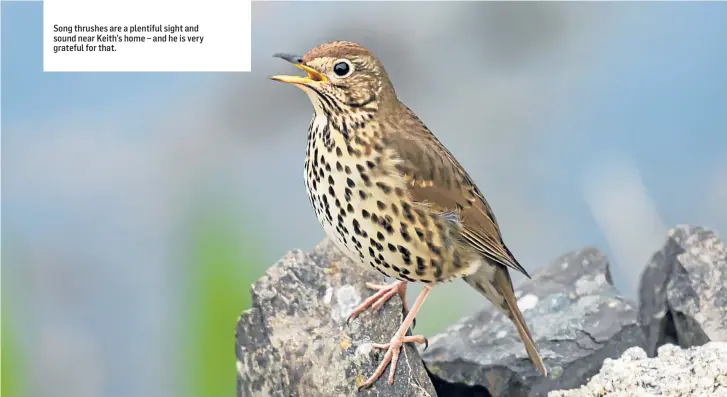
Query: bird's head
point(340, 75)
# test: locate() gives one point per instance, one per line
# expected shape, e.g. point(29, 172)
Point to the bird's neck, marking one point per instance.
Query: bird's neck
point(356, 131)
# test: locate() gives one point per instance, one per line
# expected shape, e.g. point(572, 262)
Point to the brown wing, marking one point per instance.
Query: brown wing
point(438, 179)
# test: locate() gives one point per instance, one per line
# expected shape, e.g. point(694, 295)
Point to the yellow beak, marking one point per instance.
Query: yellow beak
point(313, 76)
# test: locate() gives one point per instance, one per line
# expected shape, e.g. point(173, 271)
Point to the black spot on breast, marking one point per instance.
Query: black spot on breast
point(396, 269)
point(339, 152)
point(362, 194)
point(339, 167)
point(348, 194)
point(435, 250)
point(380, 236)
point(420, 265)
point(370, 164)
point(365, 214)
point(394, 209)
point(349, 207)
point(405, 253)
point(365, 178)
point(384, 187)
point(350, 183)
point(353, 152)
point(437, 268)
point(371, 251)
point(419, 233)
point(380, 204)
point(360, 168)
point(347, 170)
point(331, 191)
point(404, 233)
point(392, 247)
point(406, 210)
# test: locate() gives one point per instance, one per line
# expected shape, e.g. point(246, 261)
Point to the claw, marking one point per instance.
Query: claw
point(393, 348)
point(378, 299)
point(393, 351)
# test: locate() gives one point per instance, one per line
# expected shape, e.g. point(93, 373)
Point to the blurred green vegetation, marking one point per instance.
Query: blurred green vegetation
point(224, 265)
point(13, 368)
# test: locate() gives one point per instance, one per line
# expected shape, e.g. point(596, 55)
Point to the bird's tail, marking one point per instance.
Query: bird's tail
point(493, 281)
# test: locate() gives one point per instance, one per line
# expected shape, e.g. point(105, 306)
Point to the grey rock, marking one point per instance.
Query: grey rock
point(683, 290)
point(577, 319)
point(696, 372)
point(295, 342)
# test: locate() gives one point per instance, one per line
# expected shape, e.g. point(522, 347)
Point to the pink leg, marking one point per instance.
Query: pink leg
point(384, 293)
point(394, 347)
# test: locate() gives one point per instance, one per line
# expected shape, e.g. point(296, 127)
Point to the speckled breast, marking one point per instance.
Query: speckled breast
point(364, 210)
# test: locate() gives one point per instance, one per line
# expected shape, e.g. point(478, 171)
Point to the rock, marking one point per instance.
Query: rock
point(577, 319)
point(696, 372)
point(294, 341)
point(683, 291)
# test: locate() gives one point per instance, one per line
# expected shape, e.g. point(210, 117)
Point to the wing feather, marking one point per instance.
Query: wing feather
point(436, 178)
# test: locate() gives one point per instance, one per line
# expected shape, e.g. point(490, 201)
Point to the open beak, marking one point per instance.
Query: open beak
point(313, 75)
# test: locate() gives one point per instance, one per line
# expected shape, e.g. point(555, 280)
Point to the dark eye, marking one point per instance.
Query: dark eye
point(342, 68)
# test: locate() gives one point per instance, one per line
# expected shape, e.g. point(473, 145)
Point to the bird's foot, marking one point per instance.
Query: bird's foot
point(384, 293)
point(393, 350)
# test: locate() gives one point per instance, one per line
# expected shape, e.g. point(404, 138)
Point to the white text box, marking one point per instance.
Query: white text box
point(146, 36)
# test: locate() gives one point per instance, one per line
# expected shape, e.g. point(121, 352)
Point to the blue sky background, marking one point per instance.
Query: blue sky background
point(101, 170)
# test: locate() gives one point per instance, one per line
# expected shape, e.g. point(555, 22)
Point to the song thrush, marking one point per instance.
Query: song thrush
point(391, 196)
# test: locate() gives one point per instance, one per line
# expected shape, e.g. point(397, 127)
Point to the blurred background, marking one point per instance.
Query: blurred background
point(138, 208)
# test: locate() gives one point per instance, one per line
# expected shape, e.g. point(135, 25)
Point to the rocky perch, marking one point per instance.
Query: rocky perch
point(295, 341)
